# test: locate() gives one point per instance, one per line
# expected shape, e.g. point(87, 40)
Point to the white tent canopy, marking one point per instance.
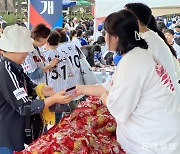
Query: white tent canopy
point(159, 7)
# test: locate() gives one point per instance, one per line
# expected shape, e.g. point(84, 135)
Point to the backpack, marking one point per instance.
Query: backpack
point(34, 125)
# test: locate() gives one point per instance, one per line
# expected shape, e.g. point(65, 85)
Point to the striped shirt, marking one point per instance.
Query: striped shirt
point(35, 60)
point(67, 73)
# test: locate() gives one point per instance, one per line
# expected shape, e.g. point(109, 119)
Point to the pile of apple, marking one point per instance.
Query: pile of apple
point(90, 129)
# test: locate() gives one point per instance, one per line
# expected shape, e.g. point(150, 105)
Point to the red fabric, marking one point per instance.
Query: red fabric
point(89, 129)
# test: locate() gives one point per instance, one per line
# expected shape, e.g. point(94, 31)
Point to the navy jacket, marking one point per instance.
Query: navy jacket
point(15, 91)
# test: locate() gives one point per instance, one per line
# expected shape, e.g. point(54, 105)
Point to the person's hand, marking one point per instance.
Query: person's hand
point(62, 98)
point(54, 62)
point(104, 97)
point(79, 90)
point(47, 91)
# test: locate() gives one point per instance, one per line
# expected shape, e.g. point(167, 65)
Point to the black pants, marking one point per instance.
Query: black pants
point(72, 105)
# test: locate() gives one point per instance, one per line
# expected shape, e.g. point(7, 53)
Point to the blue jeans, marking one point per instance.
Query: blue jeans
point(38, 73)
point(4, 150)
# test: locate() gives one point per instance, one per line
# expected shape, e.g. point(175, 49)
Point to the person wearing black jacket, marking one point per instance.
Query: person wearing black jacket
point(16, 89)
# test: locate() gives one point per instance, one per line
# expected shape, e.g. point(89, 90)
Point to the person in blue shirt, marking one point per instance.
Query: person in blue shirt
point(80, 37)
point(169, 22)
point(177, 32)
point(117, 58)
point(98, 59)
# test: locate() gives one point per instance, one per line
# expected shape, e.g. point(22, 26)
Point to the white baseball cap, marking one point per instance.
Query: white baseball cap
point(75, 18)
point(16, 38)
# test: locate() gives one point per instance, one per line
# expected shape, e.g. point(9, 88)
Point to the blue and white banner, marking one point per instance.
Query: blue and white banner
point(48, 12)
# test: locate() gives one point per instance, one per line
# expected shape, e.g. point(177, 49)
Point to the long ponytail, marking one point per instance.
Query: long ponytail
point(153, 26)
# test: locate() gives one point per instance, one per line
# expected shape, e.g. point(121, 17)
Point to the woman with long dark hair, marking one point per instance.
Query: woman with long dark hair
point(153, 26)
point(140, 96)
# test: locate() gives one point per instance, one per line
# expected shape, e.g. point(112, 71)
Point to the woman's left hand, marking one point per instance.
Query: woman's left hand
point(79, 90)
point(104, 97)
point(48, 91)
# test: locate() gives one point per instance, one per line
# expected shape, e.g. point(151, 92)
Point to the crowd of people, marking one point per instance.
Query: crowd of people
point(171, 29)
point(143, 94)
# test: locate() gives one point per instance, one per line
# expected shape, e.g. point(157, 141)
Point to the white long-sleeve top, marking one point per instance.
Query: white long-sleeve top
point(160, 50)
point(143, 101)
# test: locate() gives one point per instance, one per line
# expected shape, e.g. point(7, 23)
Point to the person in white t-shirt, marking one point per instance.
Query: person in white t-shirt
point(169, 34)
point(67, 27)
point(153, 26)
point(140, 95)
point(75, 21)
point(67, 72)
point(74, 39)
point(34, 64)
point(25, 22)
point(51, 53)
point(157, 46)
